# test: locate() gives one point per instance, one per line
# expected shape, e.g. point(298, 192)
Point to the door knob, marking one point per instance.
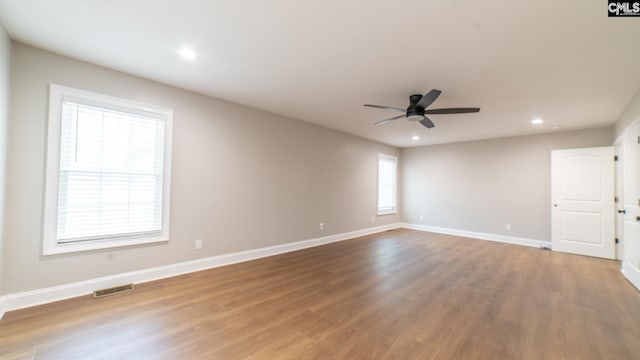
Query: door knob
point(622, 211)
point(637, 218)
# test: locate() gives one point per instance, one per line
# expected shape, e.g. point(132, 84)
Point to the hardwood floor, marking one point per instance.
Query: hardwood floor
point(395, 295)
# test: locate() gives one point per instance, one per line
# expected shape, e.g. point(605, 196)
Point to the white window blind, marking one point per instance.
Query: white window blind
point(108, 172)
point(387, 175)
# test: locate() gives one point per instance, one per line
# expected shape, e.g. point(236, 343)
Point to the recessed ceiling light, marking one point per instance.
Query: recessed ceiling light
point(537, 121)
point(187, 53)
point(415, 138)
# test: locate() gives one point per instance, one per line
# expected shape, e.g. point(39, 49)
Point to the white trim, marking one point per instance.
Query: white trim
point(106, 243)
point(2, 309)
point(618, 140)
point(392, 209)
point(618, 180)
point(42, 296)
point(479, 235)
point(632, 274)
point(25, 299)
point(58, 94)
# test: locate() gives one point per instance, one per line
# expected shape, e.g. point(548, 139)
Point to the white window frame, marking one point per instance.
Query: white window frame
point(394, 208)
point(58, 94)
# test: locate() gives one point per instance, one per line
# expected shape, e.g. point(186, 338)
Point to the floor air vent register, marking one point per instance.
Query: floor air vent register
point(112, 291)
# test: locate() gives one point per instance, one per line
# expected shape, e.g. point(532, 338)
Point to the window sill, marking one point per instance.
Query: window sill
point(65, 248)
point(387, 212)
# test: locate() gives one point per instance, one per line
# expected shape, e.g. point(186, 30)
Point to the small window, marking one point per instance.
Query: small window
point(108, 172)
point(387, 178)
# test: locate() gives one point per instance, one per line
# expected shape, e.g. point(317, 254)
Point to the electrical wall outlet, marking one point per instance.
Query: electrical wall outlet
point(421, 217)
point(198, 244)
point(507, 227)
point(321, 226)
point(373, 218)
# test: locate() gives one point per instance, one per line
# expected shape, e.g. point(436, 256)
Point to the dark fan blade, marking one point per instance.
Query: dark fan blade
point(429, 98)
point(386, 107)
point(427, 122)
point(389, 120)
point(452, 111)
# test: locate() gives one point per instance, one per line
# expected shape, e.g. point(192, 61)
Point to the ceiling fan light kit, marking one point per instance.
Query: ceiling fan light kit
point(417, 109)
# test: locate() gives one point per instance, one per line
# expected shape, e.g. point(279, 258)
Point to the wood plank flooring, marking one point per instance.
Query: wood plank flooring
point(401, 294)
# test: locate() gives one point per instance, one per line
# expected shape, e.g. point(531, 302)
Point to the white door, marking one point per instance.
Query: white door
point(630, 169)
point(582, 198)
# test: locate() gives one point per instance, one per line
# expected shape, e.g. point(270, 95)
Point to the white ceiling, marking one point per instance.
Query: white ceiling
point(319, 61)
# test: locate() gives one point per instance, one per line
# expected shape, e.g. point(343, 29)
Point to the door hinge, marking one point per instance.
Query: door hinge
point(638, 139)
point(615, 158)
point(615, 199)
point(617, 241)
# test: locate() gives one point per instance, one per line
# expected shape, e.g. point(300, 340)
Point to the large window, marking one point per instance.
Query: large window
point(387, 179)
point(108, 172)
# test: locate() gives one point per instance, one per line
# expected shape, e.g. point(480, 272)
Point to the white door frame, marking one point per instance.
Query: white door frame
point(619, 193)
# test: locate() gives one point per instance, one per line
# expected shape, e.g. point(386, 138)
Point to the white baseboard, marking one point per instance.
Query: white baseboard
point(478, 235)
point(26, 299)
point(632, 274)
point(41, 296)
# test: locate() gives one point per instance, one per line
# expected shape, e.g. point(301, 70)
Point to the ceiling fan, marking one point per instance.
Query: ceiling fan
point(417, 109)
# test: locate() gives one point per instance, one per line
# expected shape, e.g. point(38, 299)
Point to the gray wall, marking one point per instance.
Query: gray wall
point(5, 58)
point(628, 115)
point(241, 178)
point(483, 185)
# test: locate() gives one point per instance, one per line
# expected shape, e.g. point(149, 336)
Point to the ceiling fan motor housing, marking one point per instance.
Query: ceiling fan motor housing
point(414, 112)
